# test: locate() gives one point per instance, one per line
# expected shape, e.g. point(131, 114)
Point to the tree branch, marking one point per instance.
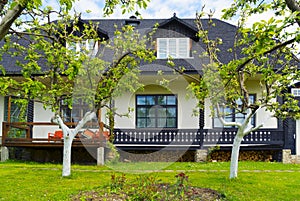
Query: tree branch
point(2, 4)
point(225, 123)
point(33, 34)
point(294, 7)
point(276, 47)
point(9, 19)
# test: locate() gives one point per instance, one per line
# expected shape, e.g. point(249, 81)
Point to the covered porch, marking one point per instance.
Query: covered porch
point(20, 134)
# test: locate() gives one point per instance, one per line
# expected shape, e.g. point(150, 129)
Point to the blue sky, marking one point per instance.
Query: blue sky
point(156, 8)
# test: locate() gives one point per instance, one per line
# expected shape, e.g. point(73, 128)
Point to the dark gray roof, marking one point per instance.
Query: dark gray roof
point(222, 30)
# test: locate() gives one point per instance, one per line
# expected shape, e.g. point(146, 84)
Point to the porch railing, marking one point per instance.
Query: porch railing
point(153, 137)
point(195, 137)
point(21, 134)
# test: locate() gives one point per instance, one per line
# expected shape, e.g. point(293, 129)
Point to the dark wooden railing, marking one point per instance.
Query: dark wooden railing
point(147, 137)
point(20, 134)
point(194, 137)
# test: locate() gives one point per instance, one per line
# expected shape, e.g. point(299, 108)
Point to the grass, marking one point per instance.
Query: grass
point(256, 181)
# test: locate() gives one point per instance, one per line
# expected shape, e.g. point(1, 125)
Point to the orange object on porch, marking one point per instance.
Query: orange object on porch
point(95, 134)
point(106, 134)
point(57, 135)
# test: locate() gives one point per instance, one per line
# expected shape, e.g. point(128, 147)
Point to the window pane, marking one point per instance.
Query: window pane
point(141, 112)
point(150, 123)
point(141, 100)
point(161, 122)
point(151, 112)
point(171, 122)
point(161, 112)
point(217, 123)
point(172, 47)
point(91, 44)
point(141, 123)
point(239, 119)
point(171, 112)
point(150, 100)
point(162, 100)
point(82, 45)
point(72, 46)
point(228, 118)
point(239, 102)
point(239, 115)
point(162, 48)
point(251, 98)
point(183, 47)
point(171, 100)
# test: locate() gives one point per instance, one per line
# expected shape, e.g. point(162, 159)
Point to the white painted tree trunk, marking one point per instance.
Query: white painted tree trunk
point(235, 156)
point(66, 171)
point(68, 139)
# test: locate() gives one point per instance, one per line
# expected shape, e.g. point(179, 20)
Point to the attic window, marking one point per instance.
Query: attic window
point(132, 21)
point(173, 47)
point(89, 45)
point(296, 92)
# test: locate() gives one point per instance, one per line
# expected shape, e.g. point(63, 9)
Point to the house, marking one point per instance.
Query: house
point(164, 119)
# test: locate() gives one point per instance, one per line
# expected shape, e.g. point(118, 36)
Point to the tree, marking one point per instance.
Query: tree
point(99, 82)
point(49, 69)
point(264, 51)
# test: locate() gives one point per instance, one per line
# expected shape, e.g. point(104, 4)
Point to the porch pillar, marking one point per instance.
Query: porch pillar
point(100, 156)
point(30, 113)
point(4, 153)
point(201, 155)
point(297, 144)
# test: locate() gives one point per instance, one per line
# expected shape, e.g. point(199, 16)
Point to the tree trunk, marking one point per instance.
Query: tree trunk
point(235, 156)
point(9, 19)
point(67, 156)
point(68, 139)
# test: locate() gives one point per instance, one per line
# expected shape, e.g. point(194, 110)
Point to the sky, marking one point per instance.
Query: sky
point(156, 8)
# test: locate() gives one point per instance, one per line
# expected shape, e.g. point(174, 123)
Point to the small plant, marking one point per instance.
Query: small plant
point(144, 188)
point(117, 183)
point(181, 185)
point(114, 153)
point(149, 188)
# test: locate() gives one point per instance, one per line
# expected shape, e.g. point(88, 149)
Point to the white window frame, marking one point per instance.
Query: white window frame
point(85, 43)
point(171, 52)
point(296, 92)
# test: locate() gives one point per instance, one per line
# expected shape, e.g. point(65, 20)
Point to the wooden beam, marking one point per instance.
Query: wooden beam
point(9, 109)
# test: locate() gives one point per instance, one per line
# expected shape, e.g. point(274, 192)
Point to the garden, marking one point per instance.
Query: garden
point(145, 181)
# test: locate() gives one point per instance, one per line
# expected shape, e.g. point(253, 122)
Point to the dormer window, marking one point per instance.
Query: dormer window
point(173, 47)
point(132, 21)
point(296, 92)
point(89, 45)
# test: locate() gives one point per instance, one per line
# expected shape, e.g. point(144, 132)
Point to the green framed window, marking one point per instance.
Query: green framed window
point(156, 111)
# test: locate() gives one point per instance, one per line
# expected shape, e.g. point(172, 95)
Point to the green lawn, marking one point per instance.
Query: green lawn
point(256, 181)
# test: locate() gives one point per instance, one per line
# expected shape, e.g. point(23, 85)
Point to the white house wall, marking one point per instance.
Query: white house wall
point(186, 119)
point(262, 116)
point(42, 115)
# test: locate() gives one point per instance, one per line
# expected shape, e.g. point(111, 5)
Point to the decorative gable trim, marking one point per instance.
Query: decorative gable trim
point(175, 19)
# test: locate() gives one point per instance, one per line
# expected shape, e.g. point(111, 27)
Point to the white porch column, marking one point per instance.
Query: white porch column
point(4, 154)
point(100, 156)
point(297, 137)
